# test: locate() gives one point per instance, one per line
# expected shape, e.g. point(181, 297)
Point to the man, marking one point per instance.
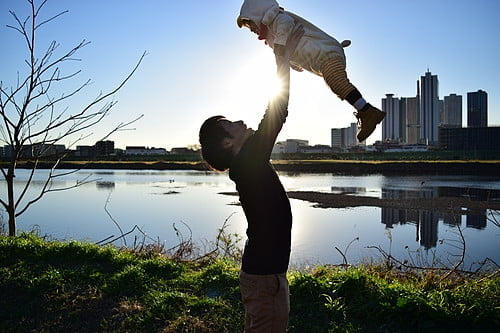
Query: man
point(246, 153)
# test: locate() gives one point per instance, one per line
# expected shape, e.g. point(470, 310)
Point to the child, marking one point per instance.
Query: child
point(232, 145)
point(317, 52)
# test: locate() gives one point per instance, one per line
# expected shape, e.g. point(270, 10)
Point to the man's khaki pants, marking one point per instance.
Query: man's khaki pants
point(267, 302)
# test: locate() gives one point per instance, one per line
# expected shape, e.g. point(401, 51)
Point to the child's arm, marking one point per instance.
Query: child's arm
point(284, 27)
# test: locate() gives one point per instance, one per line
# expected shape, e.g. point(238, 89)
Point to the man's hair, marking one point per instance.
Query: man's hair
point(211, 136)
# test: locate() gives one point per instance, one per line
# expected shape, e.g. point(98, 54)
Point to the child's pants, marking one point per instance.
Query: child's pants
point(267, 302)
point(335, 75)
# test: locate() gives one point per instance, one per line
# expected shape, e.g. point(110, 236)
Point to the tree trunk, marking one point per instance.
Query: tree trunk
point(11, 209)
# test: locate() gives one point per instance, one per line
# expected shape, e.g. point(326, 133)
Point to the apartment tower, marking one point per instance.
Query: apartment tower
point(429, 108)
point(477, 109)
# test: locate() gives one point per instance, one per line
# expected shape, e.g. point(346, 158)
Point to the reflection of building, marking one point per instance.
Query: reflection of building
point(428, 228)
point(347, 190)
point(452, 219)
point(105, 185)
point(476, 221)
point(426, 221)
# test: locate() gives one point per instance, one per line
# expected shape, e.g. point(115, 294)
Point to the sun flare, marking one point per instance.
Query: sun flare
point(259, 75)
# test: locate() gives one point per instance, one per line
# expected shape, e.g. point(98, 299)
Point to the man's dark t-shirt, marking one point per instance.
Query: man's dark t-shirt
point(263, 198)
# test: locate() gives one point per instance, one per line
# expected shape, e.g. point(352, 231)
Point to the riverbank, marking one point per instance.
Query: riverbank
point(350, 167)
point(53, 286)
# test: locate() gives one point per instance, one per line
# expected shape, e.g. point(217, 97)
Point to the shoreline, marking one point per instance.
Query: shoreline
point(490, 168)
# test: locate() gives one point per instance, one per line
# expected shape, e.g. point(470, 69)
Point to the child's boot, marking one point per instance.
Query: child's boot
point(368, 120)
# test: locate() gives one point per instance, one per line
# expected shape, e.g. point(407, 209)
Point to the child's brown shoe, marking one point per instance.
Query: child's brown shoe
point(368, 120)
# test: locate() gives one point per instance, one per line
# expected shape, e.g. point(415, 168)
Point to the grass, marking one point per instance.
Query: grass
point(77, 286)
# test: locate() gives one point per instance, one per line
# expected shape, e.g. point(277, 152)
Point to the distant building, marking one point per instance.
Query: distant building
point(104, 148)
point(142, 150)
point(316, 149)
point(392, 125)
point(279, 147)
point(471, 138)
point(410, 108)
point(294, 145)
point(182, 150)
point(337, 138)
point(477, 109)
point(452, 111)
point(344, 138)
point(429, 108)
point(36, 150)
point(84, 151)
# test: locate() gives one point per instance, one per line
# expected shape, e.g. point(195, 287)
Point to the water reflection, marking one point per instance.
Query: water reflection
point(157, 199)
point(427, 222)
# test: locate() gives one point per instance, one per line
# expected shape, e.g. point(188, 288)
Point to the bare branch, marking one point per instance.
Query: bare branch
point(112, 219)
point(50, 19)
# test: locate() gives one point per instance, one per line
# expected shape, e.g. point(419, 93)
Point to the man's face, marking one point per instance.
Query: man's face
point(235, 128)
point(238, 131)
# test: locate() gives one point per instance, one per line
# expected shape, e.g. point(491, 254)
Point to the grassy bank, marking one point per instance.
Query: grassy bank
point(74, 286)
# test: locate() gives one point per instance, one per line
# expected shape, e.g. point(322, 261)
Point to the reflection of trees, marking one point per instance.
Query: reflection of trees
point(476, 221)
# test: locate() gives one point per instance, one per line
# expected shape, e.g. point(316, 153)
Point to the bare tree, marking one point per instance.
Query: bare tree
point(33, 120)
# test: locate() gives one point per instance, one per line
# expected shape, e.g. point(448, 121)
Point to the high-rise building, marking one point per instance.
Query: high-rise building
point(409, 106)
point(337, 138)
point(344, 137)
point(429, 108)
point(452, 111)
point(392, 125)
point(477, 109)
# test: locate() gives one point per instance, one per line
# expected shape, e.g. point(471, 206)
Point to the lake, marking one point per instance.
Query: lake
point(156, 201)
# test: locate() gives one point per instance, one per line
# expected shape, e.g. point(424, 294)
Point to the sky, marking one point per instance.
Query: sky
point(199, 63)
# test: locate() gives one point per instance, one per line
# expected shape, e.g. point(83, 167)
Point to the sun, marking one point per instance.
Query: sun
point(259, 74)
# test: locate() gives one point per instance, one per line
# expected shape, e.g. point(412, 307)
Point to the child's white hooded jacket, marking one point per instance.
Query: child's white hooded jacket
point(314, 48)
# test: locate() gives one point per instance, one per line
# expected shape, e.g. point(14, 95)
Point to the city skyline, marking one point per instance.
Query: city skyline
point(196, 67)
point(412, 120)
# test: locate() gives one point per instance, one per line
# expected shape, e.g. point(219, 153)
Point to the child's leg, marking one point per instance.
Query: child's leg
point(335, 75)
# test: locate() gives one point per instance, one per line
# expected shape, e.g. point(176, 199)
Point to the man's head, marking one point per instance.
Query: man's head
point(221, 140)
